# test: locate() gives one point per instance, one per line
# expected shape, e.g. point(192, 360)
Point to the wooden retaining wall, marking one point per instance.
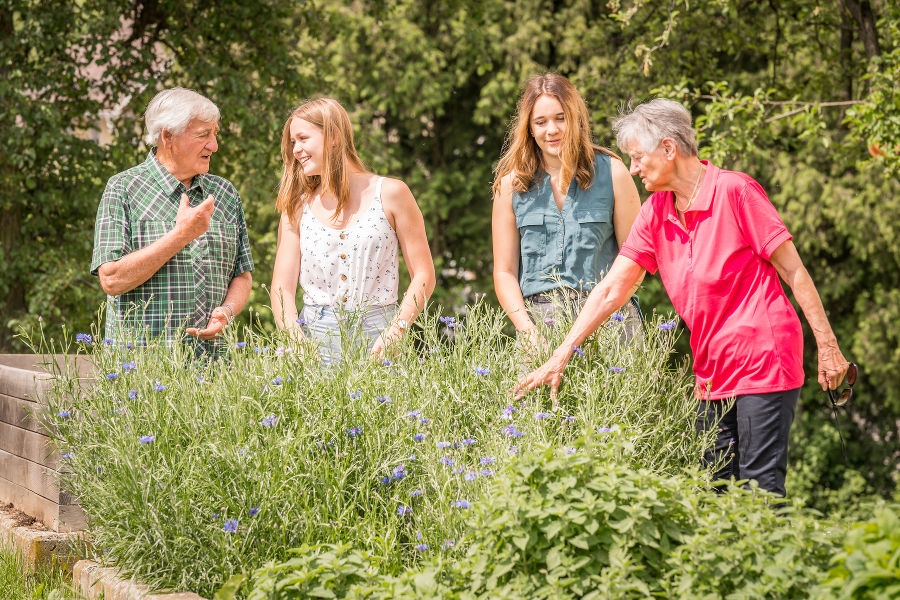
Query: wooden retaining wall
point(29, 466)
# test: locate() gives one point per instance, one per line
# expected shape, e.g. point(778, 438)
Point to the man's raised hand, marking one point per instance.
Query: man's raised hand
point(194, 221)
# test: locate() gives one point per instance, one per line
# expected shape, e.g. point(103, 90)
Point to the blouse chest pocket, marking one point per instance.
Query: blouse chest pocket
point(532, 233)
point(145, 232)
point(594, 228)
point(221, 237)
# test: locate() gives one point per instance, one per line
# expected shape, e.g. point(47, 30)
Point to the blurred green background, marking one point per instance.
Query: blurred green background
point(800, 94)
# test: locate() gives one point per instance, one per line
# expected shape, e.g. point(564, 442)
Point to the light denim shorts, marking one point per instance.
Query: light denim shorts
point(338, 332)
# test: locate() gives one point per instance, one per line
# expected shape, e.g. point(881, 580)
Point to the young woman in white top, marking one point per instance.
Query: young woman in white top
point(340, 230)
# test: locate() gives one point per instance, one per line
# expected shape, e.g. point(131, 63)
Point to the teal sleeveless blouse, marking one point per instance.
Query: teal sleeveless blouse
point(570, 248)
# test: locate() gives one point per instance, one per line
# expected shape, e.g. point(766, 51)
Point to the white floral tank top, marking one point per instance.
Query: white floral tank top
point(352, 268)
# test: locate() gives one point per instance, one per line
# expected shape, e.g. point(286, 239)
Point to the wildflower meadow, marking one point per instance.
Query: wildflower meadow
point(414, 476)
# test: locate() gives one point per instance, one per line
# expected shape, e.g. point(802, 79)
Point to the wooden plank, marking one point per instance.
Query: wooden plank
point(29, 445)
point(32, 476)
point(21, 413)
point(45, 511)
point(21, 383)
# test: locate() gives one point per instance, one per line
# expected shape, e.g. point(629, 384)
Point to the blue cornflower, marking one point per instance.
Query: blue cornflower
point(448, 544)
point(447, 461)
point(412, 457)
point(254, 511)
point(129, 366)
point(68, 455)
point(262, 350)
point(133, 394)
point(482, 371)
point(571, 450)
point(416, 493)
point(215, 516)
point(159, 387)
point(354, 431)
point(413, 413)
point(403, 510)
point(443, 445)
point(448, 321)
point(578, 351)
point(230, 526)
point(146, 439)
point(508, 412)
point(457, 470)
point(419, 437)
point(277, 381)
point(386, 479)
point(541, 415)
point(667, 325)
point(619, 317)
point(356, 394)
point(511, 431)
point(462, 504)
point(111, 376)
point(384, 399)
point(399, 472)
point(612, 429)
point(488, 460)
point(386, 363)
point(240, 344)
point(424, 420)
point(84, 338)
point(512, 450)
point(571, 419)
point(549, 320)
point(487, 473)
point(269, 421)
point(469, 442)
point(64, 413)
point(301, 321)
point(471, 476)
point(421, 546)
point(617, 369)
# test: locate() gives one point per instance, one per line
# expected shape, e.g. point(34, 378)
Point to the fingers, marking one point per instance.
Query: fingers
point(185, 202)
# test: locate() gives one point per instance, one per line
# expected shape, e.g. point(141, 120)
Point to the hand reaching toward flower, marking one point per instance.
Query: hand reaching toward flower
point(549, 373)
point(218, 321)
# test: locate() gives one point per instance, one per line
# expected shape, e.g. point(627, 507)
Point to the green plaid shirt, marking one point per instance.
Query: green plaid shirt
point(138, 207)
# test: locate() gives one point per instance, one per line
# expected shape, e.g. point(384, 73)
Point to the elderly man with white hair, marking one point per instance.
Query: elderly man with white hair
point(170, 240)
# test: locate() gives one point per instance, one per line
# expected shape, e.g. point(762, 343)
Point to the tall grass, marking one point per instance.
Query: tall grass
point(192, 470)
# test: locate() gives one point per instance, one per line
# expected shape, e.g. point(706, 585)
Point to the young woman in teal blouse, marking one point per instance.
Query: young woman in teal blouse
point(562, 207)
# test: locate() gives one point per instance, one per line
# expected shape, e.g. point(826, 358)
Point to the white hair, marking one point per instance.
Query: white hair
point(173, 109)
point(651, 122)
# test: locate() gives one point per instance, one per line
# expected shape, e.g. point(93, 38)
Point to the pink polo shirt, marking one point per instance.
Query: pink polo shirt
point(745, 335)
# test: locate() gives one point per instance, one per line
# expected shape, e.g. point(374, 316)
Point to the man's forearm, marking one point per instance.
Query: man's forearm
point(135, 268)
point(238, 292)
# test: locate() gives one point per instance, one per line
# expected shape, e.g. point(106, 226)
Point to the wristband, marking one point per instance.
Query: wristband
point(228, 306)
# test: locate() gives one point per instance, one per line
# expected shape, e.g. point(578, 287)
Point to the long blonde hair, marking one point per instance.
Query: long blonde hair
point(522, 156)
point(339, 155)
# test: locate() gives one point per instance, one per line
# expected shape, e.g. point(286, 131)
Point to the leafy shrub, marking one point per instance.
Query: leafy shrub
point(587, 525)
point(190, 471)
point(868, 566)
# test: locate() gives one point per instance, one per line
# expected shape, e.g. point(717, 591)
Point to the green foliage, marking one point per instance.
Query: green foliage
point(17, 582)
point(868, 567)
point(264, 450)
point(590, 525)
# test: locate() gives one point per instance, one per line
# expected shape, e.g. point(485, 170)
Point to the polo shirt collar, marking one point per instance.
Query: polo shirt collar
point(166, 180)
point(704, 197)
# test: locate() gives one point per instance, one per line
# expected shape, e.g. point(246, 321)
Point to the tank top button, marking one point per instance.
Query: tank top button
point(343, 235)
point(344, 256)
point(343, 278)
point(344, 298)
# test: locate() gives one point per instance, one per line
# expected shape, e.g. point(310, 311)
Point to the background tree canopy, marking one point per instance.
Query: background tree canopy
point(801, 94)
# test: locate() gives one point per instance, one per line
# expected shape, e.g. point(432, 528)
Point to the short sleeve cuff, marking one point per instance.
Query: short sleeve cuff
point(103, 258)
point(774, 242)
point(642, 258)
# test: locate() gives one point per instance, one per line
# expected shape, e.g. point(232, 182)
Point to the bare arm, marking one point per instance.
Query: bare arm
point(832, 364)
point(406, 219)
point(506, 258)
point(135, 268)
point(285, 275)
point(605, 299)
point(627, 201)
point(221, 316)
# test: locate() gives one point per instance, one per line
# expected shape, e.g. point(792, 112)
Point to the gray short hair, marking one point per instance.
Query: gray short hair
point(651, 122)
point(173, 109)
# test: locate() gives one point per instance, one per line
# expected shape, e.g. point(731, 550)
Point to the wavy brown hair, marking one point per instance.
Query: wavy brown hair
point(522, 156)
point(339, 154)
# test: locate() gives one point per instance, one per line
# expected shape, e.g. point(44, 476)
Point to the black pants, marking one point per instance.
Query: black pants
point(752, 437)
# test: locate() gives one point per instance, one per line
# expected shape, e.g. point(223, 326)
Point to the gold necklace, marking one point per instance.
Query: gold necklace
point(693, 193)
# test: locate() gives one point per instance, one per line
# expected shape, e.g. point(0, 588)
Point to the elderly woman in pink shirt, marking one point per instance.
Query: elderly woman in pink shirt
point(719, 246)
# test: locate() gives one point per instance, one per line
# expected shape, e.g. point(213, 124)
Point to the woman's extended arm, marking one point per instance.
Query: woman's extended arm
point(832, 364)
point(605, 299)
point(285, 275)
point(406, 219)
